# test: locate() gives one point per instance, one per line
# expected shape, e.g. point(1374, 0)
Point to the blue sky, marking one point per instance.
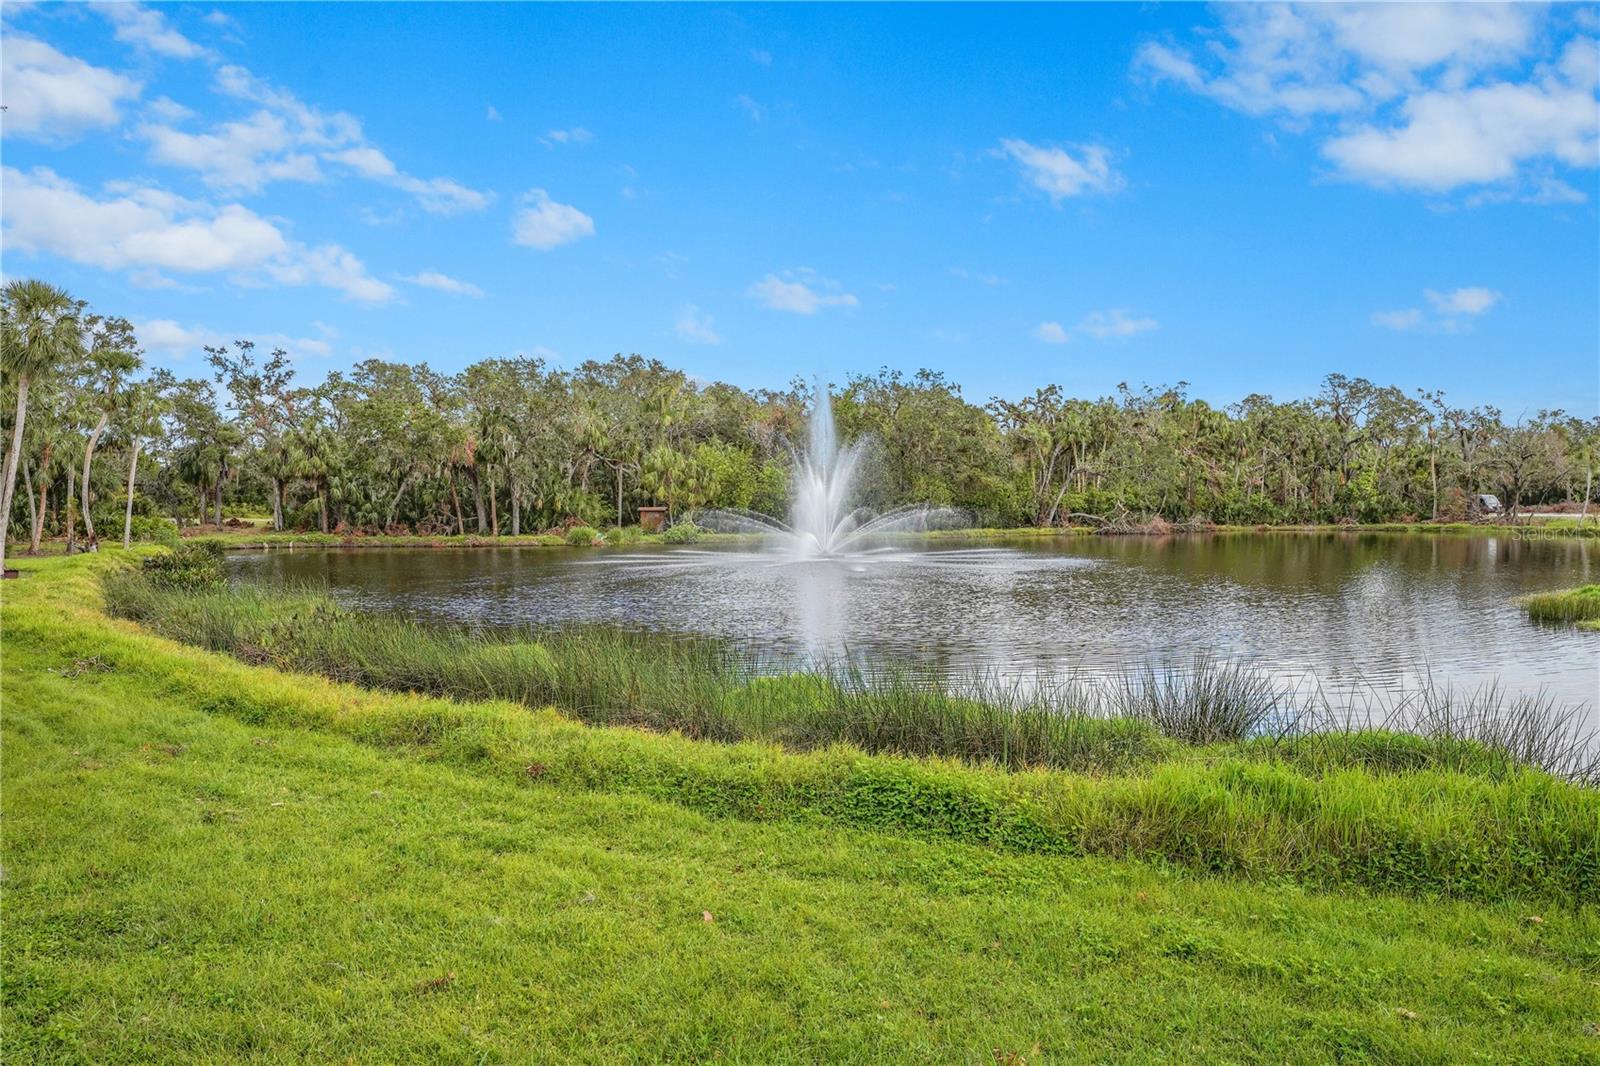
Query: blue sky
point(1243, 198)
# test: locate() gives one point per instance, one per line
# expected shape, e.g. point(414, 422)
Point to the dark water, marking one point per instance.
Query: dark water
point(1342, 610)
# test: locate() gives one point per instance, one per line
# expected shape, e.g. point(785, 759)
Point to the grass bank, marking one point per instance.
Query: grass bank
point(260, 537)
point(1429, 831)
point(1579, 606)
point(211, 862)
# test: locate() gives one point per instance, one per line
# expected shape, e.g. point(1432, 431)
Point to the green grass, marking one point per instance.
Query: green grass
point(706, 689)
point(1522, 833)
point(1580, 606)
point(210, 862)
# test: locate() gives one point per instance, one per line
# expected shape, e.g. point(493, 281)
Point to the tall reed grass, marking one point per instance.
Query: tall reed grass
point(1567, 606)
point(709, 689)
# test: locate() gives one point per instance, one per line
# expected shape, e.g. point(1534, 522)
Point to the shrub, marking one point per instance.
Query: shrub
point(624, 535)
point(193, 565)
point(582, 536)
point(682, 533)
point(154, 529)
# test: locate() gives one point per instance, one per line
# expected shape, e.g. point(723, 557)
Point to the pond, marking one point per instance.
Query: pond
point(1352, 611)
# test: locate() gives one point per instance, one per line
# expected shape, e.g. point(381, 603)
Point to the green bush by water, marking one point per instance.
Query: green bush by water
point(582, 536)
point(1579, 605)
point(683, 533)
point(193, 566)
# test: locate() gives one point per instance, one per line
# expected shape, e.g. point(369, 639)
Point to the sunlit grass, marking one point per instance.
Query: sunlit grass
point(211, 862)
point(1382, 811)
point(1579, 606)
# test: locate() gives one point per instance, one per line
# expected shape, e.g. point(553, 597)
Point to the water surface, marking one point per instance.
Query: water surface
point(1340, 610)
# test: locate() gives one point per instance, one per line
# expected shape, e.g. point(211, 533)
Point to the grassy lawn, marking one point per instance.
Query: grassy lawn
point(218, 874)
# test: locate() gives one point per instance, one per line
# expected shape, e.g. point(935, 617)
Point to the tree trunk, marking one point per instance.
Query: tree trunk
point(395, 503)
point(127, 515)
point(477, 502)
point(324, 502)
point(277, 505)
point(1433, 471)
point(72, 522)
point(494, 510)
point(219, 502)
point(44, 507)
point(12, 457)
point(33, 510)
point(90, 542)
point(455, 501)
point(516, 511)
point(619, 496)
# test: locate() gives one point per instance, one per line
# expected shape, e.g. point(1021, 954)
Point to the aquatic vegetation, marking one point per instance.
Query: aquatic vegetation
point(193, 565)
point(1580, 605)
point(711, 689)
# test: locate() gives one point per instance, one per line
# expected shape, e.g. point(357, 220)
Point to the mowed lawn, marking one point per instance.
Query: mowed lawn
point(179, 886)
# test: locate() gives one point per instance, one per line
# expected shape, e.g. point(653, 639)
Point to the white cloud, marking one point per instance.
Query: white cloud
point(544, 224)
point(1424, 96)
point(576, 135)
point(1059, 173)
point(801, 292)
point(762, 56)
point(1473, 300)
point(492, 114)
point(166, 109)
point(1050, 333)
point(286, 139)
point(1401, 321)
point(977, 275)
point(366, 161)
point(52, 96)
point(332, 267)
point(1115, 324)
point(697, 327)
point(165, 335)
point(236, 156)
point(1477, 136)
point(177, 341)
point(432, 279)
point(148, 29)
point(750, 107)
point(439, 196)
point(1452, 311)
point(141, 229)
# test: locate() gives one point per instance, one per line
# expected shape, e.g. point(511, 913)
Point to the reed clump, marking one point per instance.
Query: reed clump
point(710, 689)
point(1580, 606)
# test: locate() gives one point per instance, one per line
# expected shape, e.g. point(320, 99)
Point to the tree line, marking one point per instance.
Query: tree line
point(509, 445)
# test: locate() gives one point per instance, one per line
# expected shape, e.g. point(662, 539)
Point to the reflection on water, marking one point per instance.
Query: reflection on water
point(1342, 609)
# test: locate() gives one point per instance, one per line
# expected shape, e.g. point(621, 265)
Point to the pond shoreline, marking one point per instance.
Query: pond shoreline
point(256, 540)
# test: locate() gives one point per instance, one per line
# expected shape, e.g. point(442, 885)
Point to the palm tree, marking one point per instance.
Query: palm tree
point(144, 408)
point(40, 331)
point(112, 357)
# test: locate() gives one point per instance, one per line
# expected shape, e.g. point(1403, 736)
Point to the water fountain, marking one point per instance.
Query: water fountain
point(823, 521)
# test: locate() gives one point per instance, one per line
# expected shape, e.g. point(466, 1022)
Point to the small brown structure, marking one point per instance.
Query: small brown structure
point(652, 519)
